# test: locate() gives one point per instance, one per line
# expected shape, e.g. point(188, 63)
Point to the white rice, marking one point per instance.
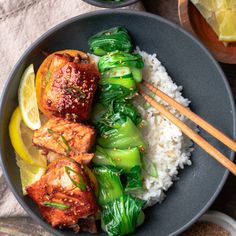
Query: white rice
point(168, 148)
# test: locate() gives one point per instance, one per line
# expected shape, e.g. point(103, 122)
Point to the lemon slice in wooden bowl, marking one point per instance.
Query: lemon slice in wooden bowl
point(221, 16)
point(227, 26)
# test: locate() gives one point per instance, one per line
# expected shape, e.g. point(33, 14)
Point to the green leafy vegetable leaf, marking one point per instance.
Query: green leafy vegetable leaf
point(128, 82)
point(127, 109)
point(117, 72)
point(115, 115)
point(112, 92)
point(134, 179)
point(116, 38)
point(120, 59)
point(110, 187)
point(122, 159)
point(122, 136)
point(126, 210)
point(108, 123)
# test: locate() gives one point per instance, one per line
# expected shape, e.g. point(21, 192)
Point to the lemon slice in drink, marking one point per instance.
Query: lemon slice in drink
point(21, 139)
point(29, 174)
point(27, 99)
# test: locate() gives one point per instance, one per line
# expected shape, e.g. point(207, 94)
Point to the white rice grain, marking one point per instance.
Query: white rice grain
point(168, 148)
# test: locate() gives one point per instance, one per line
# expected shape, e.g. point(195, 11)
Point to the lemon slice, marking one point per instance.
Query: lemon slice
point(230, 4)
point(221, 16)
point(227, 29)
point(21, 139)
point(29, 174)
point(27, 99)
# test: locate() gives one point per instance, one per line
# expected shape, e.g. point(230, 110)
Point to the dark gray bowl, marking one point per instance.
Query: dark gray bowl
point(110, 3)
point(189, 64)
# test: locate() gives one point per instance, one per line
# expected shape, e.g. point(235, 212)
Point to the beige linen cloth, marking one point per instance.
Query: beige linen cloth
point(21, 22)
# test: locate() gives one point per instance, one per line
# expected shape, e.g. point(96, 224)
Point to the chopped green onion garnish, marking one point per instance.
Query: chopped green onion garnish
point(81, 184)
point(50, 131)
point(68, 148)
point(66, 143)
point(74, 89)
point(47, 76)
point(56, 205)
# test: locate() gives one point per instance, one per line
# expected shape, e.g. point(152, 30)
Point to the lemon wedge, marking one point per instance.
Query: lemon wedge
point(27, 99)
point(227, 27)
point(29, 174)
point(221, 16)
point(21, 139)
point(230, 4)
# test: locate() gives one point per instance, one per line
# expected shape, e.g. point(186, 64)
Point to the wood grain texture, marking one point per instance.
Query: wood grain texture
point(165, 8)
point(193, 22)
point(226, 201)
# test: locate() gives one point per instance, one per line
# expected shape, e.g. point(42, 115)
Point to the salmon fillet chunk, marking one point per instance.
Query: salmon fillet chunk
point(65, 197)
point(83, 158)
point(64, 137)
point(70, 90)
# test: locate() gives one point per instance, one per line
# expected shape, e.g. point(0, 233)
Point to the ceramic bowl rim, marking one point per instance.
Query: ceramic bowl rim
point(219, 218)
point(110, 4)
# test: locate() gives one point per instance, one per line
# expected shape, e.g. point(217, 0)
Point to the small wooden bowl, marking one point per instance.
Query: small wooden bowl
point(191, 19)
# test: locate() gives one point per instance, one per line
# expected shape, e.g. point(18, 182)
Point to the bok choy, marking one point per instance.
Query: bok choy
point(122, 136)
point(111, 92)
point(110, 40)
point(110, 187)
point(122, 216)
point(122, 59)
point(118, 163)
point(122, 159)
point(121, 213)
point(127, 109)
point(128, 161)
point(128, 83)
point(116, 110)
point(117, 72)
point(134, 179)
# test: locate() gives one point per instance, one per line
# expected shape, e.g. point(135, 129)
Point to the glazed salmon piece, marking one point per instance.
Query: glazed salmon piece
point(65, 197)
point(64, 137)
point(70, 88)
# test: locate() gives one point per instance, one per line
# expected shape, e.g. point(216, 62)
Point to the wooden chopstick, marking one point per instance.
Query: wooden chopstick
point(194, 117)
point(191, 134)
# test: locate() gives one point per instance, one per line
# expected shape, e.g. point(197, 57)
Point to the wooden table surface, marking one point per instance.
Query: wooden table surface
point(226, 201)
